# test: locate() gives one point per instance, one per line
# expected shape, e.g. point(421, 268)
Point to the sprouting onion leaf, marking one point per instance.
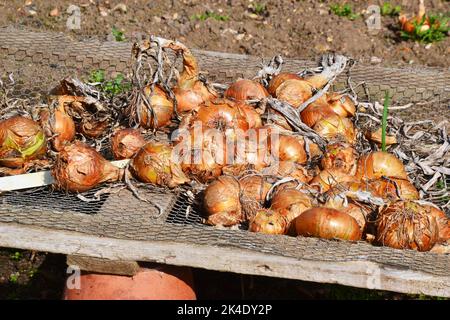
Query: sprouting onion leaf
point(384, 120)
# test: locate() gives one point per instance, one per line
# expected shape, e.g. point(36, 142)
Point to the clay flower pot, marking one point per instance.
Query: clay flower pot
point(162, 283)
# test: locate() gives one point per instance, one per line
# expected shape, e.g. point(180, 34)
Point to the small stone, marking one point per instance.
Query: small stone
point(428, 46)
point(120, 7)
point(329, 39)
point(253, 16)
point(175, 16)
point(54, 12)
point(156, 19)
point(103, 11)
point(323, 12)
point(28, 2)
point(411, 61)
point(240, 36)
point(375, 60)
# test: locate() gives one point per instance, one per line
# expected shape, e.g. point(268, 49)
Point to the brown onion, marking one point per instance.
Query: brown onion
point(441, 248)
point(288, 169)
point(268, 222)
point(340, 156)
point(359, 212)
point(442, 220)
point(155, 164)
point(58, 125)
point(342, 105)
point(125, 143)
point(328, 224)
point(277, 80)
point(292, 148)
point(380, 164)
point(336, 128)
point(21, 140)
point(329, 178)
point(393, 189)
point(375, 136)
point(294, 92)
point(221, 202)
point(316, 111)
point(245, 89)
point(79, 168)
point(250, 114)
point(254, 189)
point(290, 203)
point(407, 225)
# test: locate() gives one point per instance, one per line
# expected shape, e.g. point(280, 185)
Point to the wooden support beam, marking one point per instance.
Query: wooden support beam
point(98, 265)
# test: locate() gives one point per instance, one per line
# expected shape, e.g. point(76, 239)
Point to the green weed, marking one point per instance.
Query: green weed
point(344, 10)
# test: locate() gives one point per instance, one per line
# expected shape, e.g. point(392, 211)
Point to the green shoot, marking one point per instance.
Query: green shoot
point(384, 120)
point(344, 10)
point(437, 31)
point(208, 14)
point(259, 8)
point(387, 9)
point(14, 277)
point(117, 34)
point(111, 87)
point(16, 256)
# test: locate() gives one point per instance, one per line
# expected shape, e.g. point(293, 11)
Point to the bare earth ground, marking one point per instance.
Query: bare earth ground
point(302, 29)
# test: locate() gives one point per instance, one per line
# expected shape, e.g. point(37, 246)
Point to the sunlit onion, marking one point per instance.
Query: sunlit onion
point(250, 114)
point(21, 140)
point(268, 222)
point(221, 202)
point(380, 164)
point(79, 168)
point(359, 212)
point(336, 128)
point(329, 178)
point(288, 169)
point(58, 125)
point(315, 112)
point(254, 189)
point(245, 89)
point(125, 143)
point(342, 105)
point(290, 203)
point(340, 156)
point(277, 80)
point(328, 224)
point(406, 225)
point(294, 92)
point(392, 189)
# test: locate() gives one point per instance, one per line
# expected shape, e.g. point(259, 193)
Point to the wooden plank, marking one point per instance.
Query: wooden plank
point(363, 274)
point(98, 265)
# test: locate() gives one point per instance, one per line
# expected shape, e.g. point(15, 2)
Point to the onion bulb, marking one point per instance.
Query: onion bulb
point(221, 202)
point(155, 164)
point(341, 157)
point(79, 168)
point(288, 169)
point(328, 224)
point(375, 136)
point(292, 148)
point(21, 140)
point(342, 105)
point(254, 189)
point(442, 220)
point(125, 143)
point(290, 203)
point(277, 80)
point(393, 189)
point(380, 164)
point(58, 125)
point(407, 225)
point(250, 114)
point(294, 92)
point(330, 177)
point(245, 89)
point(268, 222)
point(316, 111)
point(359, 212)
point(336, 128)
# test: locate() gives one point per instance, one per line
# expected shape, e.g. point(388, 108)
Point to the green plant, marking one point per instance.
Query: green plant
point(437, 31)
point(14, 277)
point(117, 34)
point(111, 87)
point(387, 9)
point(344, 10)
point(208, 14)
point(259, 8)
point(384, 120)
point(16, 256)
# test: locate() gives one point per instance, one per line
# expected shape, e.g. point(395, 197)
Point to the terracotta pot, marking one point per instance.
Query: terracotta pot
point(162, 283)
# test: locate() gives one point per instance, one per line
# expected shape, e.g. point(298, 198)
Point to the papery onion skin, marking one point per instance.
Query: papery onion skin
point(268, 222)
point(245, 89)
point(290, 203)
point(162, 107)
point(329, 178)
point(336, 128)
point(292, 148)
point(254, 189)
point(277, 80)
point(316, 111)
point(393, 189)
point(327, 223)
point(342, 105)
point(125, 143)
point(407, 225)
point(79, 168)
point(250, 114)
point(340, 156)
point(294, 92)
point(380, 164)
point(288, 169)
point(155, 164)
point(221, 202)
point(442, 220)
point(59, 125)
point(359, 212)
point(21, 140)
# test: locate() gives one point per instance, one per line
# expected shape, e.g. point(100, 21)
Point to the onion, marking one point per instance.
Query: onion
point(315, 112)
point(292, 148)
point(294, 92)
point(250, 114)
point(330, 177)
point(158, 114)
point(58, 125)
point(206, 169)
point(268, 222)
point(380, 164)
point(353, 209)
point(244, 89)
point(441, 248)
point(155, 164)
point(336, 128)
point(277, 80)
point(328, 224)
point(375, 136)
point(290, 203)
point(442, 220)
point(221, 202)
point(342, 105)
point(341, 157)
point(21, 140)
point(288, 169)
point(393, 189)
point(407, 225)
point(79, 168)
point(125, 143)
point(254, 190)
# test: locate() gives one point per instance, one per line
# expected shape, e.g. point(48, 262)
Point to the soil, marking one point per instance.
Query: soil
point(301, 29)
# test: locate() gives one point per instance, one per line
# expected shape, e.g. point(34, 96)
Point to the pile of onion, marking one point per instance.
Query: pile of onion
point(221, 202)
point(328, 224)
point(407, 225)
point(21, 140)
point(125, 143)
point(79, 168)
point(155, 164)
